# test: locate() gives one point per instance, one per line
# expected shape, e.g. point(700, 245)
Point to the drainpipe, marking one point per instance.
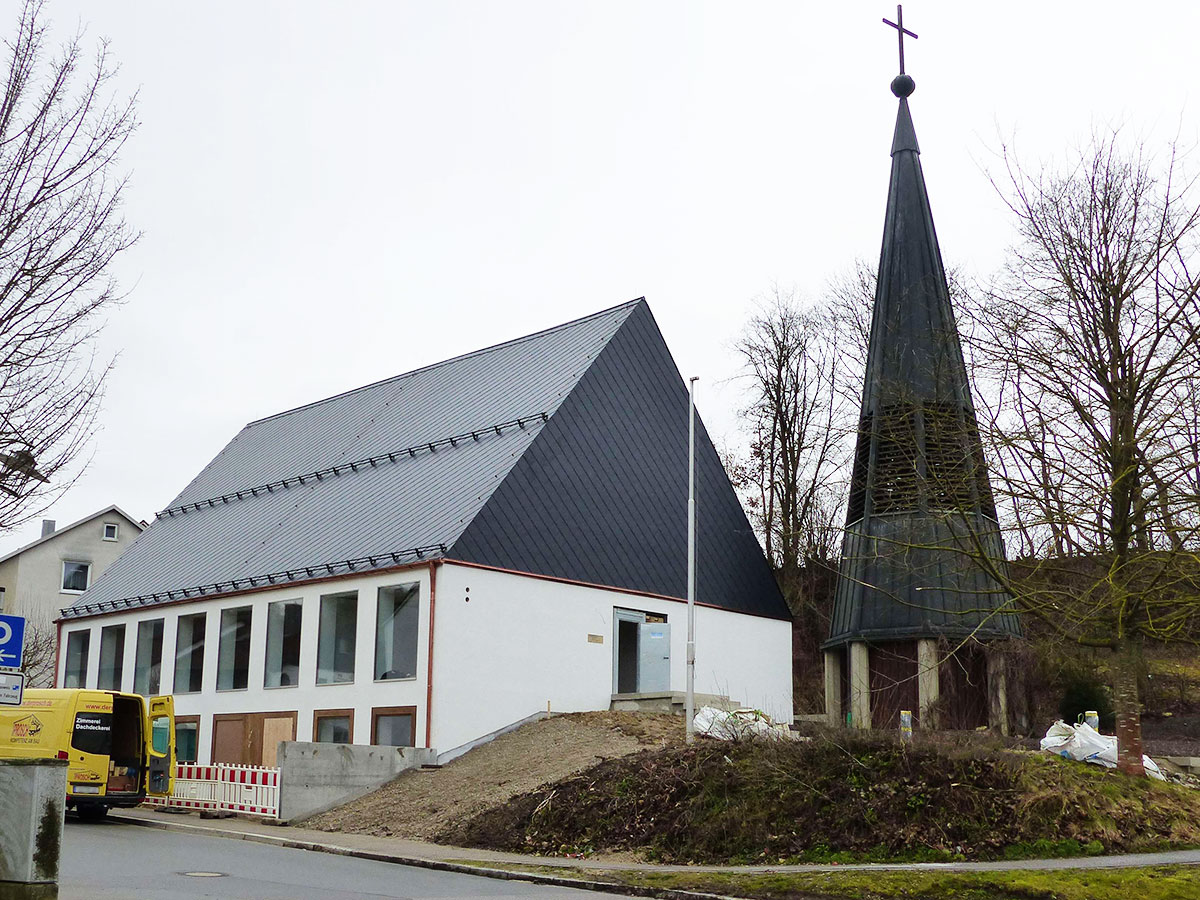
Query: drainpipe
point(433, 568)
point(690, 709)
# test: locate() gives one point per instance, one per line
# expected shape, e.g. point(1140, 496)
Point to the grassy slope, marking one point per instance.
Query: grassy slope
point(848, 799)
point(1151, 883)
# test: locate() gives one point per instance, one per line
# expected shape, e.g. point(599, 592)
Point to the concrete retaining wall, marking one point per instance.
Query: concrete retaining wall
point(317, 777)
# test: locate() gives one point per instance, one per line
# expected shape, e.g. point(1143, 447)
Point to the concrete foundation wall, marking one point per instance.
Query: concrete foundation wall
point(317, 777)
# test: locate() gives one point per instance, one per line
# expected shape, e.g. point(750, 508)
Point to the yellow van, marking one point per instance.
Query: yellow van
point(119, 747)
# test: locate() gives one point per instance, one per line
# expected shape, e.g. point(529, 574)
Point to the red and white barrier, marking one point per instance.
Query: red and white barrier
point(242, 789)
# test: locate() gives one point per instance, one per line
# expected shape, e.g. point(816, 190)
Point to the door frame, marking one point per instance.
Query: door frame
point(253, 739)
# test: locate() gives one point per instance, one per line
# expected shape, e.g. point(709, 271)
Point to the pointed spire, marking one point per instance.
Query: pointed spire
point(905, 137)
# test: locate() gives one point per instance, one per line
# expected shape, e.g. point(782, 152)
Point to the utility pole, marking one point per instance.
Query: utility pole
point(690, 708)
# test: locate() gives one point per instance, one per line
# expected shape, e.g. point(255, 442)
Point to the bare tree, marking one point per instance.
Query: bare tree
point(61, 227)
point(1090, 352)
point(39, 658)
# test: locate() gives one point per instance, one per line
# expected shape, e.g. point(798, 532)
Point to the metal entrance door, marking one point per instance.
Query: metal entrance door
point(654, 658)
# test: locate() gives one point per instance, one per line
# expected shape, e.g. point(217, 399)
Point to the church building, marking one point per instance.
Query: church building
point(432, 558)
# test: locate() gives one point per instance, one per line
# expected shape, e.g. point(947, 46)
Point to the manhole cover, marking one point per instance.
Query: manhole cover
point(204, 874)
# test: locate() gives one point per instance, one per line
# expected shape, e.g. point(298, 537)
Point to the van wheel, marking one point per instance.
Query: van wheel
point(91, 812)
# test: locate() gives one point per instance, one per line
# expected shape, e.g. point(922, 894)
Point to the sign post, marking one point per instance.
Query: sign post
point(12, 649)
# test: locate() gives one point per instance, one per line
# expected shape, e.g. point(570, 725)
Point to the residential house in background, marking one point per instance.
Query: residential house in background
point(40, 578)
point(434, 557)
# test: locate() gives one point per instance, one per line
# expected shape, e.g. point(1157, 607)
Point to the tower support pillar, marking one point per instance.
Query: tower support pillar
point(860, 685)
point(833, 687)
point(928, 682)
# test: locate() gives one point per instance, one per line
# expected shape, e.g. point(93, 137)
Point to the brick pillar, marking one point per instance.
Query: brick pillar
point(928, 683)
point(860, 686)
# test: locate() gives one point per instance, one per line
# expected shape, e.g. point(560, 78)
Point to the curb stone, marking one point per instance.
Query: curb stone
point(608, 887)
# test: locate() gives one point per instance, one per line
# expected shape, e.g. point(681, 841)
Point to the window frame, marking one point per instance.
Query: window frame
point(248, 609)
point(175, 689)
point(413, 590)
point(62, 582)
point(379, 711)
point(353, 631)
point(294, 601)
point(86, 656)
point(137, 654)
point(187, 720)
point(319, 714)
point(118, 631)
point(116, 535)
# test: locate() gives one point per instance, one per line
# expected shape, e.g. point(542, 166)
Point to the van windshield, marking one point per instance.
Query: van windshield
point(93, 733)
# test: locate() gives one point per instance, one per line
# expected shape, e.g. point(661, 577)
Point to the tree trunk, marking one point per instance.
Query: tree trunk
point(1128, 708)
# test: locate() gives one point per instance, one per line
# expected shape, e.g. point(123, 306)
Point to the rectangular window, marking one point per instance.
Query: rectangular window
point(110, 531)
point(233, 656)
point(396, 632)
point(283, 644)
point(336, 638)
point(147, 661)
point(187, 738)
point(333, 726)
point(189, 654)
point(75, 577)
point(112, 657)
point(77, 659)
point(392, 726)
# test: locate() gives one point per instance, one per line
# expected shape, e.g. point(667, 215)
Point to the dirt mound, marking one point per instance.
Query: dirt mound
point(419, 804)
point(844, 797)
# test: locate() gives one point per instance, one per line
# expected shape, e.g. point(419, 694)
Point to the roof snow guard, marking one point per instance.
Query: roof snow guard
point(563, 453)
point(921, 516)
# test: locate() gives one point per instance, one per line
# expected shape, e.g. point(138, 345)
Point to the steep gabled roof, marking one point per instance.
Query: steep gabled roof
point(61, 531)
point(435, 464)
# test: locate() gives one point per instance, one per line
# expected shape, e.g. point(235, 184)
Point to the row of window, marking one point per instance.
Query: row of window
point(397, 613)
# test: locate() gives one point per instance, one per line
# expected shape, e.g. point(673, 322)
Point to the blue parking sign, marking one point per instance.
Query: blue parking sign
point(12, 641)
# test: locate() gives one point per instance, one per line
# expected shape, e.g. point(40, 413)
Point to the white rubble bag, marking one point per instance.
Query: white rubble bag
point(737, 725)
point(1086, 744)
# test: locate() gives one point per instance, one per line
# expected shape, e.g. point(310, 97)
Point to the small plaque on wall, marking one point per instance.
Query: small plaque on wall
point(595, 639)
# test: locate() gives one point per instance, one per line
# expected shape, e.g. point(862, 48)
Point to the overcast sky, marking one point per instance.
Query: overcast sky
point(335, 193)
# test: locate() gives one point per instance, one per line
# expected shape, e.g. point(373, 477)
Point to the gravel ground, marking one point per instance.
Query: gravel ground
point(420, 803)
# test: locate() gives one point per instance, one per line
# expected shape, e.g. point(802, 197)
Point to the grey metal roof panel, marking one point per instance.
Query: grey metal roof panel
point(418, 501)
point(601, 495)
point(518, 378)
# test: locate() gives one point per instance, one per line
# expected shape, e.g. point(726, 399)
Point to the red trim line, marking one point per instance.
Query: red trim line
point(253, 590)
point(429, 656)
point(605, 587)
point(57, 649)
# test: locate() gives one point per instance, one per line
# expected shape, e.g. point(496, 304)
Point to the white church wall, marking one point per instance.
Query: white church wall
point(506, 644)
point(362, 695)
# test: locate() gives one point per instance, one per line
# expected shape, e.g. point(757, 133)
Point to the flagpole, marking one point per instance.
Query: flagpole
point(690, 710)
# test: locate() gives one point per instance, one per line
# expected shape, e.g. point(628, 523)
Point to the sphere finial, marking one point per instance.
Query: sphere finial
point(903, 85)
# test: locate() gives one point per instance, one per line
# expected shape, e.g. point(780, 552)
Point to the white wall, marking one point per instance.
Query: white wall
point(519, 642)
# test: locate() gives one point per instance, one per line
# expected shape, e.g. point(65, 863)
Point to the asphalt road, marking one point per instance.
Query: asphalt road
point(111, 860)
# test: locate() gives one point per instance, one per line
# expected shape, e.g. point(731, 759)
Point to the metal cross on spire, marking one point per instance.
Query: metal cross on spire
point(901, 31)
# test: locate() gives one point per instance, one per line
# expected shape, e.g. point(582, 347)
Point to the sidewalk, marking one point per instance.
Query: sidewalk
point(457, 859)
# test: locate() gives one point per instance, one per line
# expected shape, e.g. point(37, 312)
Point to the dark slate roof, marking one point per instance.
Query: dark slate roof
point(435, 464)
point(919, 489)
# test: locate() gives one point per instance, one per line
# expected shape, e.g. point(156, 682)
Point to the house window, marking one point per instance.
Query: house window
point(283, 644)
point(147, 663)
point(333, 726)
point(336, 638)
point(78, 643)
point(75, 576)
point(233, 657)
point(189, 654)
point(392, 726)
point(396, 632)
point(187, 738)
point(110, 531)
point(112, 657)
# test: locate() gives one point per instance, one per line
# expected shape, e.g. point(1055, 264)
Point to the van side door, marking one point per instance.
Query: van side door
point(160, 746)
